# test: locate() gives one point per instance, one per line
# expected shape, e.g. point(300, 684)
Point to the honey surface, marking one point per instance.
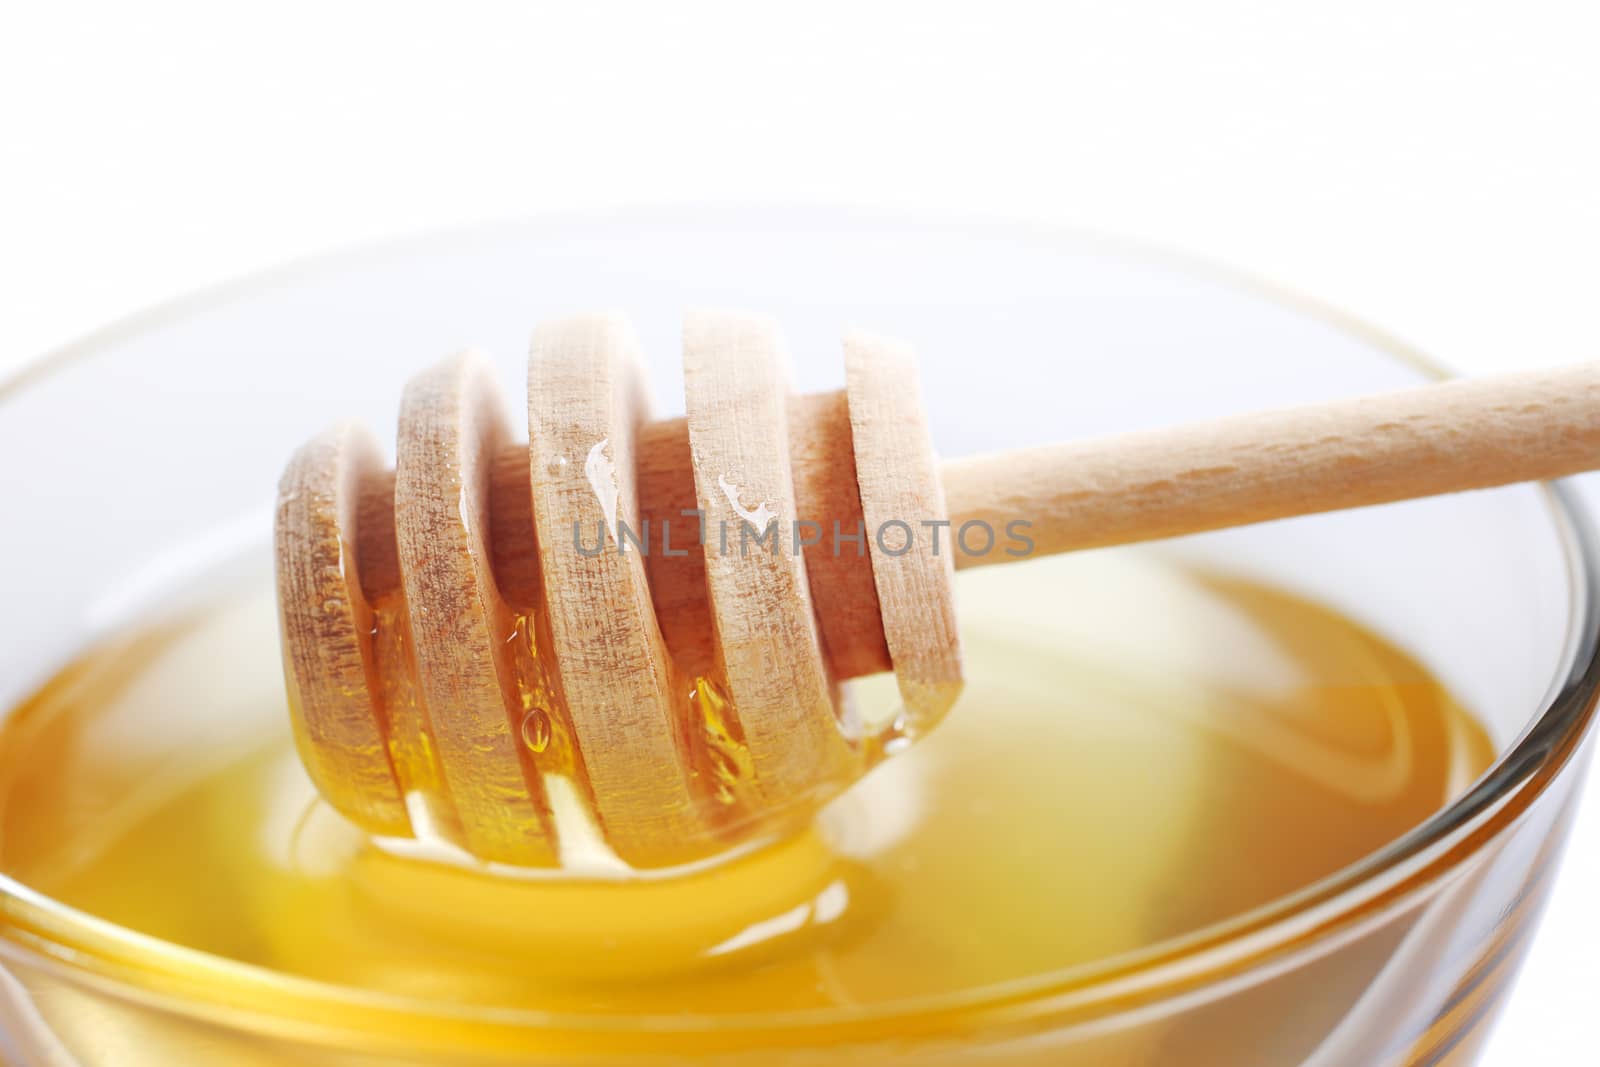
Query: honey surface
point(1142, 750)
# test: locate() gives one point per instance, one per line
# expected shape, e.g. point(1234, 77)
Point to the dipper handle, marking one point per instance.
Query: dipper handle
point(1474, 433)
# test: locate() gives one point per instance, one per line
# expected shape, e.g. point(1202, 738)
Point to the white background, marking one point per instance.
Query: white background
point(1432, 167)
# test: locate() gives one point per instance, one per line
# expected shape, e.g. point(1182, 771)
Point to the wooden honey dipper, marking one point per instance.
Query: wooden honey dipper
point(482, 640)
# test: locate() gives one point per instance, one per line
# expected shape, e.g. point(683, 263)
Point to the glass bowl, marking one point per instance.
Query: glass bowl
point(143, 462)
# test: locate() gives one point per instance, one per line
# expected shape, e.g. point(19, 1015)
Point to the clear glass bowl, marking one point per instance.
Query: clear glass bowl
point(144, 458)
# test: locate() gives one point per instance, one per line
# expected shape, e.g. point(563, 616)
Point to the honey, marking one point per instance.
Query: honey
point(1143, 750)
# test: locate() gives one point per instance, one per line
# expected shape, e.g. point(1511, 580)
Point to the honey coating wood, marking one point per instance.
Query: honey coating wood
point(452, 423)
point(765, 635)
point(822, 464)
point(427, 614)
point(326, 621)
point(621, 693)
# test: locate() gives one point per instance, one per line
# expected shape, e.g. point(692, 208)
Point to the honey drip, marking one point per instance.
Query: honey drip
point(726, 755)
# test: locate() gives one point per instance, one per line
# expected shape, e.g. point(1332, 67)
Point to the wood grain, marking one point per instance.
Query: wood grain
point(452, 423)
point(903, 503)
point(736, 391)
point(1446, 438)
point(622, 696)
point(327, 622)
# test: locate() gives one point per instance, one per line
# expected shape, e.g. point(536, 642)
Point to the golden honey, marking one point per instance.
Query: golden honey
point(1142, 750)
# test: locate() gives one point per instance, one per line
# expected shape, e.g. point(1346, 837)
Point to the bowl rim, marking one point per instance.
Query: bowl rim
point(43, 933)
